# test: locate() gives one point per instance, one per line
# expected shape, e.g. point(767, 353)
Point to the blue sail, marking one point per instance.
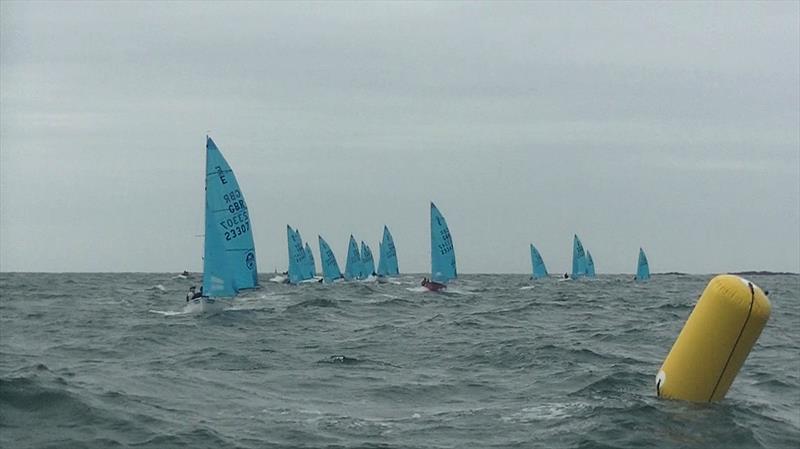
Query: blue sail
point(311, 265)
point(578, 258)
point(388, 249)
point(307, 268)
point(296, 256)
point(330, 268)
point(443, 256)
point(382, 260)
point(643, 268)
point(537, 263)
point(589, 265)
point(367, 261)
point(229, 255)
point(352, 269)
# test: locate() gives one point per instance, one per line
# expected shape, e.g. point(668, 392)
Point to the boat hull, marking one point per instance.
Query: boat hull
point(207, 305)
point(434, 286)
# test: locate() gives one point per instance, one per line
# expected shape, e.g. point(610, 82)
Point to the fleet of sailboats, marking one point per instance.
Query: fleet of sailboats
point(229, 257)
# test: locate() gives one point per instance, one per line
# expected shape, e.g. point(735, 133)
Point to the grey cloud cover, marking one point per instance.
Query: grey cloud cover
point(672, 126)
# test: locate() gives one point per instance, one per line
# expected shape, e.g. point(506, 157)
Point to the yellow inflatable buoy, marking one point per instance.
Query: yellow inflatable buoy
point(715, 341)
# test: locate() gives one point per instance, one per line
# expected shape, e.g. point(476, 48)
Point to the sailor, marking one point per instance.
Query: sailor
point(566, 276)
point(193, 294)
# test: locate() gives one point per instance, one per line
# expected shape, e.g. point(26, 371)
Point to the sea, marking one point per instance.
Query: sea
point(119, 360)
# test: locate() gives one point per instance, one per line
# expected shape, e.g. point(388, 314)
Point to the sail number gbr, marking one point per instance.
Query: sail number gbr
point(234, 201)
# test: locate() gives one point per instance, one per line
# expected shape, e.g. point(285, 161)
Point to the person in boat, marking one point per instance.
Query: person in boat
point(424, 281)
point(193, 294)
point(566, 276)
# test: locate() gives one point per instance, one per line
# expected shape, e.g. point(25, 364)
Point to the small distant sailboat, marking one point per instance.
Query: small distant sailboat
point(589, 265)
point(443, 256)
point(387, 264)
point(229, 255)
point(578, 258)
point(352, 268)
point(311, 265)
point(537, 264)
point(643, 267)
point(330, 268)
point(297, 259)
point(367, 261)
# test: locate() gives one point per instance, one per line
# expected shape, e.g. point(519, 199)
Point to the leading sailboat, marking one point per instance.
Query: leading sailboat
point(229, 255)
point(443, 256)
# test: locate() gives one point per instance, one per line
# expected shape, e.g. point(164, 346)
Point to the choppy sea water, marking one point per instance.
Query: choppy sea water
point(117, 360)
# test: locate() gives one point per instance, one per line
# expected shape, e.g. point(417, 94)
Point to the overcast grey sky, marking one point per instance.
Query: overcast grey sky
point(673, 126)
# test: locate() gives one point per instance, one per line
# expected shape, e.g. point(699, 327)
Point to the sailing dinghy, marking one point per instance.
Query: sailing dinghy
point(229, 255)
point(443, 256)
point(387, 265)
point(352, 268)
point(330, 268)
point(539, 270)
point(578, 258)
point(643, 267)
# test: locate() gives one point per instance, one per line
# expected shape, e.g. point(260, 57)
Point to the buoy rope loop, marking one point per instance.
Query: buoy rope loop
point(733, 349)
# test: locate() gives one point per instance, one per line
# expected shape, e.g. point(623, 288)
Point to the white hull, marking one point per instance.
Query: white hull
point(206, 305)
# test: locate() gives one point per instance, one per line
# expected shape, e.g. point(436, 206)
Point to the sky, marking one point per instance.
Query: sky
point(674, 126)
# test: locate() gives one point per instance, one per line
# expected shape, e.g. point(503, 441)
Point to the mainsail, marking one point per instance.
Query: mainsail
point(578, 258)
point(229, 255)
point(589, 265)
point(311, 266)
point(367, 261)
point(297, 258)
point(443, 256)
point(352, 268)
point(389, 253)
point(537, 264)
point(330, 268)
point(643, 267)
